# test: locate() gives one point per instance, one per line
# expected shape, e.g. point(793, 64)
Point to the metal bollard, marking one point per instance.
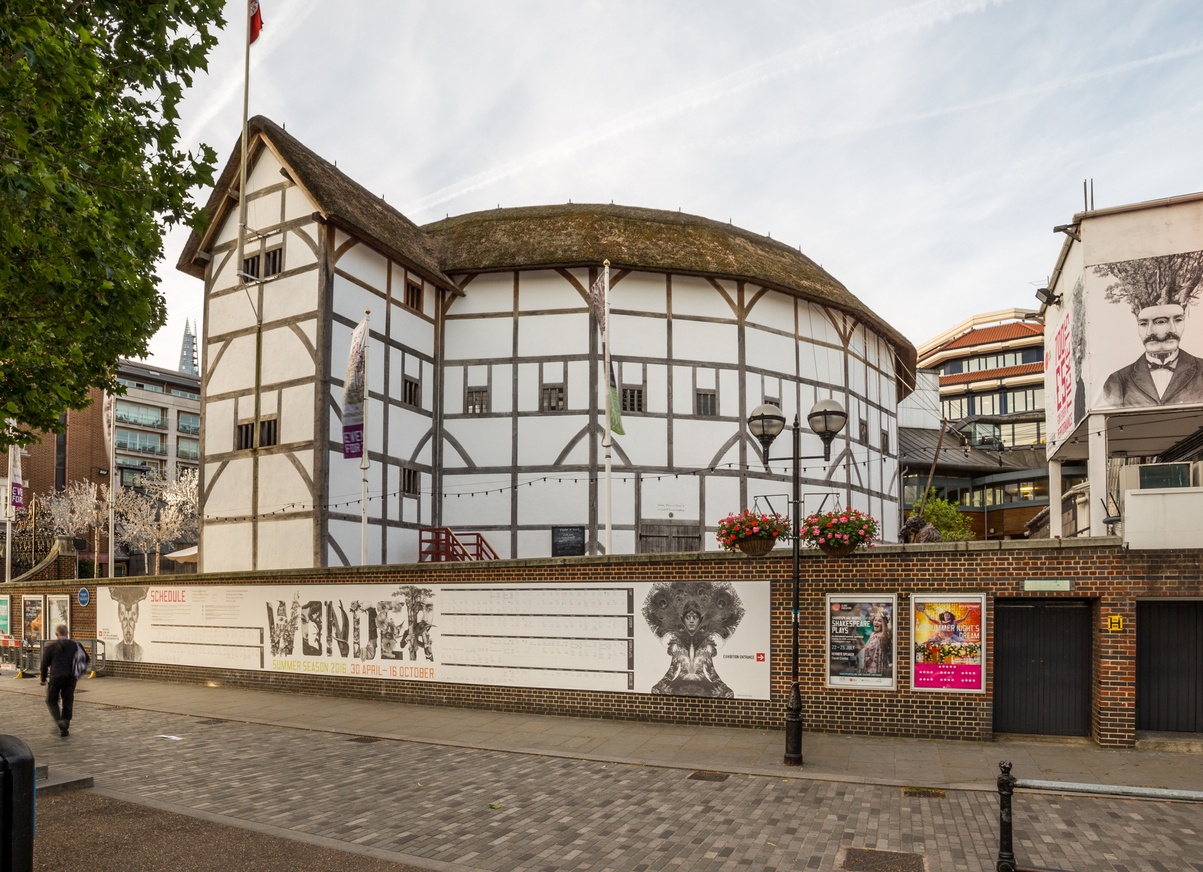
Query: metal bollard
point(16, 805)
point(1006, 787)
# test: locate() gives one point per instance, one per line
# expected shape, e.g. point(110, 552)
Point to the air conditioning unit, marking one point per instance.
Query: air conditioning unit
point(1159, 476)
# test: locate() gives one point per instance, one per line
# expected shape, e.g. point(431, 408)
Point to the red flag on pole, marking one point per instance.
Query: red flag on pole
point(256, 20)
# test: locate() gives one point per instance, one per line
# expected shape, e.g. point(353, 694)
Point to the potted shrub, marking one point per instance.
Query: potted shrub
point(839, 533)
point(752, 533)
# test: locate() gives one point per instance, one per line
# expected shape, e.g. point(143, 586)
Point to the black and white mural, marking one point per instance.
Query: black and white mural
point(707, 639)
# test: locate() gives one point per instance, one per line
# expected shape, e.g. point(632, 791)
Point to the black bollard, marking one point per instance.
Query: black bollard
point(1006, 787)
point(16, 805)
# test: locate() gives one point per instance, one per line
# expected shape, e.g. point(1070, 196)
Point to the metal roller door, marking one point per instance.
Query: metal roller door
point(1169, 666)
point(1042, 667)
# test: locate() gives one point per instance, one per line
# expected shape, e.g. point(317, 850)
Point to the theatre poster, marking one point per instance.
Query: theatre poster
point(861, 640)
point(950, 643)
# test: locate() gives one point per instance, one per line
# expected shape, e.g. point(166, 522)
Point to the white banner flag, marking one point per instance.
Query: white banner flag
point(17, 485)
point(354, 392)
point(597, 299)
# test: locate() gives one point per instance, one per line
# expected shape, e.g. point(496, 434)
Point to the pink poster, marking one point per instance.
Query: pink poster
point(950, 647)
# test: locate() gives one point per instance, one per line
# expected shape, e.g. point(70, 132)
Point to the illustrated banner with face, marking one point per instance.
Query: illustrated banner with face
point(861, 640)
point(950, 643)
point(1143, 346)
point(708, 639)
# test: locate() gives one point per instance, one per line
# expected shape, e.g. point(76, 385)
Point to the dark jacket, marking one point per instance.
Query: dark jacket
point(1133, 386)
point(59, 658)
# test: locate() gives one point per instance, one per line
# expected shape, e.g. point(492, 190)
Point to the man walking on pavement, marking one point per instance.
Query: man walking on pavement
point(60, 658)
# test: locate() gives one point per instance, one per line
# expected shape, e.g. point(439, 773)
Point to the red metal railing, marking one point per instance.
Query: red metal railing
point(440, 545)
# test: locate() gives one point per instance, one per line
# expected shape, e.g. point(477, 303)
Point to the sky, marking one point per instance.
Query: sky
point(921, 151)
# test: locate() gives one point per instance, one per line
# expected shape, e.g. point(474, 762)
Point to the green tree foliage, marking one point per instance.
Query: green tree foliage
point(945, 517)
point(91, 174)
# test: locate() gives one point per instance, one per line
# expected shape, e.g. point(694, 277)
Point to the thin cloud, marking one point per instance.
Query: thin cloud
point(916, 17)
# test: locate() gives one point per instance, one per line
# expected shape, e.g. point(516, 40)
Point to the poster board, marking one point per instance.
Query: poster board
point(949, 643)
point(861, 634)
point(609, 636)
point(5, 615)
point(58, 611)
point(33, 619)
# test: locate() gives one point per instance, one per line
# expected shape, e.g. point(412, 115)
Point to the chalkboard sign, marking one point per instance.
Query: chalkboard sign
point(567, 541)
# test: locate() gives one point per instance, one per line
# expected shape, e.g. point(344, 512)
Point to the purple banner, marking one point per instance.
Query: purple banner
point(353, 440)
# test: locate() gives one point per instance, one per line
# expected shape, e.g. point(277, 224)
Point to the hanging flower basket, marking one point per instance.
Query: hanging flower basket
point(838, 533)
point(753, 534)
point(757, 547)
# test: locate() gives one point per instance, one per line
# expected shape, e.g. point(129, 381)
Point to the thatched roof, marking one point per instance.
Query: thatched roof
point(342, 202)
point(543, 237)
point(645, 239)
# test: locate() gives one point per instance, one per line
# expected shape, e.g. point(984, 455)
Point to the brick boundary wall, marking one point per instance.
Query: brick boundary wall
point(1100, 570)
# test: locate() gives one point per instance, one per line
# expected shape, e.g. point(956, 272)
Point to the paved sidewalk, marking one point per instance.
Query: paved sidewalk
point(458, 790)
point(849, 759)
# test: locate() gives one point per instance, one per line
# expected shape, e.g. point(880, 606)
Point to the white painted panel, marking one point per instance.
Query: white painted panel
point(228, 313)
point(528, 387)
point(265, 171)
point(218, 427)
point(814, 322)
point(486, 294)
point(682, 388)
point(541, 439)
point(367, 265)
point(640, 292)
point(578, 384)
point(729, 400)
point(695, 441)
point(773, 309)
point(477, 505)
point(1142, 233)
point(262, 214)
point(296, 415)
point(655, 392)
point(229, 492)
point(638, 336)
point(695, 296)
point(562, 503)
point(350, 301)
point(226, 548)
point(553, 334)
point(402, 546)
point(479, 339)
point(645, 442)
point(286, 356)
point(290, 296)
point(502, 396)
point(670, 498)
point(857, 342)
point(486, 441)
point(235, 371)
point(453, 389)
point(856, 376)
point(822, 364)
point(281, 484)
point(297, 204)
point(703, 341)
point(285, 544)
point(540, 290)
point(769, 351)
point(347, 534)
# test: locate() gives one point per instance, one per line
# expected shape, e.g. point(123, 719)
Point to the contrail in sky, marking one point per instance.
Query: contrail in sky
point(823, 48)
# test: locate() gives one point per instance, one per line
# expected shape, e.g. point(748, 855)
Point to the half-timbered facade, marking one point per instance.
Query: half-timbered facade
point(486, 390)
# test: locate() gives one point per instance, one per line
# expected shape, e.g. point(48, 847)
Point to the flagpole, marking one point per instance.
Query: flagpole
point(609, 437)
point(364, 462)
point(112, 476)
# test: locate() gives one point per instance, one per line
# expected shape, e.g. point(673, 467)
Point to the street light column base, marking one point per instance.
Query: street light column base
point(793, 727)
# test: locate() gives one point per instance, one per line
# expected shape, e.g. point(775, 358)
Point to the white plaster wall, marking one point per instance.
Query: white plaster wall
point(290, 296)
point(704, 341)
point(296, 414)
point(229, 489)
point(285, 355)
point(639, 292)
point(218, 430)
point(541, 439)
point(695, 296)
point(478, 338)
point(262, 212)
point(1141, 233)
point(297, 204)
point(347, 533)
point(281, 484)
point(555, 335)
point(286, 543)
point(486, 441)
point(350, 301)
point(669, 498)
point(228, 312)
point(226, 548)
point(453, 389)
point(502, 396)
point(235, 371)
point(772, 310)
point(485, 294)
point(769, 351)
point(265, 171)
point(477, 506)
point(547, 289)
point(638, 336)
point(367, 265)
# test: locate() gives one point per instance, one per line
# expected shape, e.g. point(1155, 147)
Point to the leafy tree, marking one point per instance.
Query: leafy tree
point(91, 174)
point(945, 517)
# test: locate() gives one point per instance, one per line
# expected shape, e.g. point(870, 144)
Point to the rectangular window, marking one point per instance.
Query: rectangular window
point(273, 262)
point(413, 296)
point(142, 443)
point(476, 401)
point(142, 416)
point(411, 482)
point(773, 401)
point(863, 432)
point(632, 399)
point(267, 432)
point(411, 391)
point(552, 399)
point(189, 423)
point(705, 404)
point(885, 441)
point(244, 437)
point(187, 449)
point(250, 267)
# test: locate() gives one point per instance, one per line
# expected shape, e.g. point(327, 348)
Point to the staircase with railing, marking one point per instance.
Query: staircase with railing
point(441, 545)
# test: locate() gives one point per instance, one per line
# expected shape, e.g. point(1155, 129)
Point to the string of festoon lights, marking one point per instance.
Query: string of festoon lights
point(301, 507)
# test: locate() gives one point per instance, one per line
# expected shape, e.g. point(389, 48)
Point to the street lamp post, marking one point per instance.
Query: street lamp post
point(827, 418)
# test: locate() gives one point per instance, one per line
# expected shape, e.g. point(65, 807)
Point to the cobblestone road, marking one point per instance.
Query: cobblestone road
point(451, 808)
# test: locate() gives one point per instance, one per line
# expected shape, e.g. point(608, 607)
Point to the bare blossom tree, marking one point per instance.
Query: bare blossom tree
point(82, 508)
point(157, 514)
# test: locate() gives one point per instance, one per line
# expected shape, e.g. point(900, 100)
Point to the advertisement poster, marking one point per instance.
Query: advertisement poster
point(680, 638)
point(950, 643)
point(58, 611)
point(861, 636)
point(32, 619)
point(5, 611)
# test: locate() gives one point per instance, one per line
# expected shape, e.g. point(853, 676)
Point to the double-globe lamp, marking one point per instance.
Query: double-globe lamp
point(826, 419)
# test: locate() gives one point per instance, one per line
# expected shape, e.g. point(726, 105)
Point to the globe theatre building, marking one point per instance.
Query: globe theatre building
point(486, 391)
